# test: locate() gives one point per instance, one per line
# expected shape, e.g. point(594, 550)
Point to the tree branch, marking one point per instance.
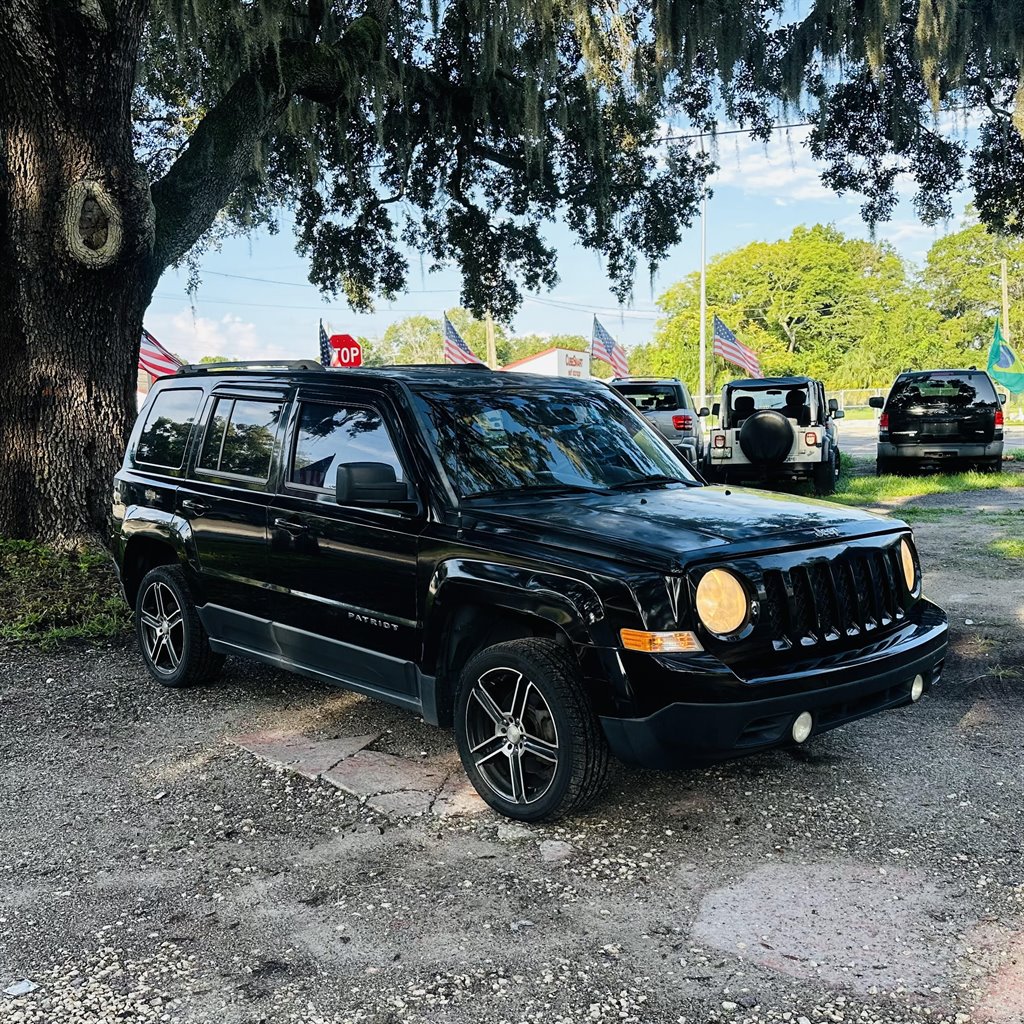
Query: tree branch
point(199, 183)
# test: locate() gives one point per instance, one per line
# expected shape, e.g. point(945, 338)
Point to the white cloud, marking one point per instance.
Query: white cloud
point(192, 337)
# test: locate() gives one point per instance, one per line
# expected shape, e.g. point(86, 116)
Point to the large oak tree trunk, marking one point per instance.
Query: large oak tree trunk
point(76, 265)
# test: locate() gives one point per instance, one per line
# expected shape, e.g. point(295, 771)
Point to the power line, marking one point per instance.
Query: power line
point(306, 284)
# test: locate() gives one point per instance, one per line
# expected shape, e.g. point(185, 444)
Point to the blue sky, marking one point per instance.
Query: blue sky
point(760, 193)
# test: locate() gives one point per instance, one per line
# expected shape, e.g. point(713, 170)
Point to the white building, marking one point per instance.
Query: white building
point(554, 362)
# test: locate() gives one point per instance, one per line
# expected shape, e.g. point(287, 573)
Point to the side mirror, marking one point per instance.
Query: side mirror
point(876, 402)
point(838, 414)
point(716, 409)
point(1002, 399)
point(370, 483)
point(703, 411)
point(833, 405)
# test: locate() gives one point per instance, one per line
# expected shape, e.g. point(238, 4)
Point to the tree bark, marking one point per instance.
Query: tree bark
point(76, 268)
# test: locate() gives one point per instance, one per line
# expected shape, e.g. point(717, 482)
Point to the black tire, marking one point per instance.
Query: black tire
point(550, 718)
point(825, 474)
point(884, 467)
point(172, 639)
point(993, 465)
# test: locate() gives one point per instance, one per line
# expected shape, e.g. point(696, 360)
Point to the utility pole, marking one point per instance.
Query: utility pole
point(703, 298)
point(1006, 301)
point(492, 351)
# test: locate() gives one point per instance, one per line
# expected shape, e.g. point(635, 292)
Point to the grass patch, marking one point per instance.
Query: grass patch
point(1008, 547)
point(874, 490)
point(48, 597)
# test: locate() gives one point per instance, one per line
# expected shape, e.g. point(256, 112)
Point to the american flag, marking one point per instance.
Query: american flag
point(604, 347)
point(455, 349)
point(732, 351)
point(325, 347)
point(155, 359)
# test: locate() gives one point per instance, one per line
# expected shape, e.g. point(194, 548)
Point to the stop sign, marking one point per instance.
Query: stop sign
point(345, 350)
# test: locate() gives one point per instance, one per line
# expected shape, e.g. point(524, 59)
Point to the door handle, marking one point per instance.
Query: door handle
point(195, 507)
point(290, 526)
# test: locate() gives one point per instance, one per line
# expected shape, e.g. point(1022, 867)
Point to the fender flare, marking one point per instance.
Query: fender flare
point(570, 604)
point(166, 528)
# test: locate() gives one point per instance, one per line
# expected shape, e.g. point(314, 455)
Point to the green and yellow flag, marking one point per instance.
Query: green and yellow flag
point(1004, 365)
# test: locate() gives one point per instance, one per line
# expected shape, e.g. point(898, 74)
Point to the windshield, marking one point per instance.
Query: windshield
point(496, 441)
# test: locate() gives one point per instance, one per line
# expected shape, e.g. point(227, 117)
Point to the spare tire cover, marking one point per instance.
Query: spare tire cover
point(766, 437)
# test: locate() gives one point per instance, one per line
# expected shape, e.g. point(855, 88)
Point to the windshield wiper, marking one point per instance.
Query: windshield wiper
point(647, 481)
point(537, 489)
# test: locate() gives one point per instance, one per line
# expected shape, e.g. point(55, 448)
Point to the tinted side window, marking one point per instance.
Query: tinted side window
point(240, 437)
point(653, 397)
point(168, 424)
point(330, 435)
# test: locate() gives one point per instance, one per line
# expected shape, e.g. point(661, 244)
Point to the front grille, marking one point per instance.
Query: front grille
point(827, 597)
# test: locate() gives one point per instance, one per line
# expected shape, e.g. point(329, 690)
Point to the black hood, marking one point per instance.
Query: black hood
point(675, 525)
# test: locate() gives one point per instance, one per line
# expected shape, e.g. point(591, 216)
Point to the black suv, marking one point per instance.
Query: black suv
point(940, 418)
point(519, 556)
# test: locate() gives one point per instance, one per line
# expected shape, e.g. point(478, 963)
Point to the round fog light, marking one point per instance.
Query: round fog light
point(917, 688)
point(802, 726)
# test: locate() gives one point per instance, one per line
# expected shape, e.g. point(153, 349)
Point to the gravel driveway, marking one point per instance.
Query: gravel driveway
point(150, 870)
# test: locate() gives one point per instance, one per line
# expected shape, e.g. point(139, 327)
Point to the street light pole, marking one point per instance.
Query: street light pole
point(1006, 300)
point(703, 298)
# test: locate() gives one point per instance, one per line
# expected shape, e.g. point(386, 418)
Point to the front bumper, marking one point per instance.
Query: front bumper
point(761, 714)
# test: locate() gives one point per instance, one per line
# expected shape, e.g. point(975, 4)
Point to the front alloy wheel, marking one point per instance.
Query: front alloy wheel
point(527, 733)
point(512, 736)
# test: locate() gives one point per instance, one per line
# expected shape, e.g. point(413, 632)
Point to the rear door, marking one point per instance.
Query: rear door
point(343, 578)
point(664, 406)
point(942, 407)
point(225, 503)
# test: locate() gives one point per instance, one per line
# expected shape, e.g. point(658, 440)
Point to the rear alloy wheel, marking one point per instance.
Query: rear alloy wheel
point(527, 735)
point(173, 642)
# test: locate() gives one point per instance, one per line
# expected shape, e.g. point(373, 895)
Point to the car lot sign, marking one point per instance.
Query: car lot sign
point(345, 350)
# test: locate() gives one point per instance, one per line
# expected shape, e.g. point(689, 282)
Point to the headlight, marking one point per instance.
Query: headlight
point(909, 569)
point(722, 602)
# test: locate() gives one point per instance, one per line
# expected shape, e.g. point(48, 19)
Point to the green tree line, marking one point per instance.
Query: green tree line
point(849, 311)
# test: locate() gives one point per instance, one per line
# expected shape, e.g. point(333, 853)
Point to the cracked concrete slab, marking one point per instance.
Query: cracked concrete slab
point(307, 757)
point(392, 785)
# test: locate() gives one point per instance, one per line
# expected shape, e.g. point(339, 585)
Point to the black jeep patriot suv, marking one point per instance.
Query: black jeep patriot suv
point(521, 557)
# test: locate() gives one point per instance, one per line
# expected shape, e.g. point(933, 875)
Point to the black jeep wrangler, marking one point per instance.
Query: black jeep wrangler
point(521, 557)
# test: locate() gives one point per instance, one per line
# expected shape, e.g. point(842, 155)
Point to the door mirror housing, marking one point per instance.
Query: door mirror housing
point(838, 414)
point(833, 406)
point(703, 411)
point(1002, 399)
point(371, 484)
point(876, 402)
point(716, 409)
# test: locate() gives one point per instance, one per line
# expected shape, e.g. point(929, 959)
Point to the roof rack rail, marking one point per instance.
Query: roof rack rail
point(252, 364)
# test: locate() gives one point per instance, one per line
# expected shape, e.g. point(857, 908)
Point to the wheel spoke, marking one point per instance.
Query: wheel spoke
point(496, 738)
point(540, 748)
point(515, 765)
point(172, 652)
point(175, 619)
point(158, 596)
point(487, 757)
point(486, 701)
point(513, 709)
point(152, 641)
point(150, 621)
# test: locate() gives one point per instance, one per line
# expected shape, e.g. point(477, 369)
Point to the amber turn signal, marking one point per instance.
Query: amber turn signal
point(658, 643)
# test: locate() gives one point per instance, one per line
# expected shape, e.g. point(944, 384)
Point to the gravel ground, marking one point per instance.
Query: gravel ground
point(151, 871)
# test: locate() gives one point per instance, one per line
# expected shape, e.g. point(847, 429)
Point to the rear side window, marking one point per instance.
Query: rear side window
point(940, 392)
point(653, 397)
point(240, 438)
point(331, 435)
point(168, 424)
